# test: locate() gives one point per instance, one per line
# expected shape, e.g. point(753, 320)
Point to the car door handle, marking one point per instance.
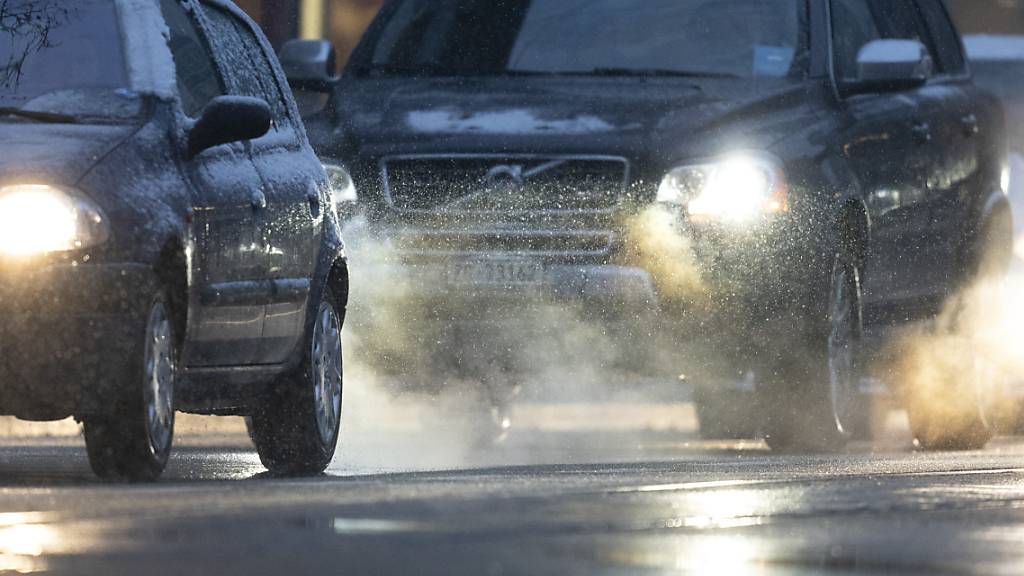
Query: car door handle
point(258, 200)
point(922, 132)
point(969, 123)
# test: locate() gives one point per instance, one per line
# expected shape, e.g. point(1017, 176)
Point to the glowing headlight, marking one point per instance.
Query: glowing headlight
point(737, 189)
point(341, 183)
point(38, 219)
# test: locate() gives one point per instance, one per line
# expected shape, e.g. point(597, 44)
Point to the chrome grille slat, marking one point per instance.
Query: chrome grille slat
point(471, 183)
point(473, 205)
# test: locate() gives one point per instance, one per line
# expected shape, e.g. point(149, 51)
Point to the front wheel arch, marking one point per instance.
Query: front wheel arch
point(172, 273)
point(338, 282)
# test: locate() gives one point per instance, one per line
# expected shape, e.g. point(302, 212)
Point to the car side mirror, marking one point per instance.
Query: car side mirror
point(891, 66)
point(310, 65)
point(229, 119)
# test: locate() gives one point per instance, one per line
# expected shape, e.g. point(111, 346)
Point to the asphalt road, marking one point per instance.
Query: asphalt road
point(553, 500)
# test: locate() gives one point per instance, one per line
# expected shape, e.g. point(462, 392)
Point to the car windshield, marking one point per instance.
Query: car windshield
point(742, 38)
point(64, 59)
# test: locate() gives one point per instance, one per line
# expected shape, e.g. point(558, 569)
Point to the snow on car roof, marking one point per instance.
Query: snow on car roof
point(144, 35)
point(994, 47)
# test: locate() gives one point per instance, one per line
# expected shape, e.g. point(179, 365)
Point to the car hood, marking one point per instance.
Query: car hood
point(667, 117)
point(55, 153)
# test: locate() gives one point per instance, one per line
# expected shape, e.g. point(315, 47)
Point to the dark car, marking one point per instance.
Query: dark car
point(832, 169)
point(168, 239)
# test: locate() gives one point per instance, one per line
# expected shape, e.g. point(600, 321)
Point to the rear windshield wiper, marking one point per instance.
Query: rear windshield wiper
point(39, 115)
point(666, 72)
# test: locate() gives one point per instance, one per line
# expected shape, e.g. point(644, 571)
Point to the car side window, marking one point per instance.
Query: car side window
point(197, 78)
point(246, 63)
point(858, 22)
point(949, 55)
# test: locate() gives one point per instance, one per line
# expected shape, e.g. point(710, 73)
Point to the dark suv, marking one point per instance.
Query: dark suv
point(829, 165)
point(168, 239)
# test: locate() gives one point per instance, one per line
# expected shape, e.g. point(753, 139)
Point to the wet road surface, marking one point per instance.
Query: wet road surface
point(619, 501)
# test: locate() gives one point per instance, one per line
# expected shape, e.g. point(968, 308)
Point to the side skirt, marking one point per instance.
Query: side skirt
point(227, 391)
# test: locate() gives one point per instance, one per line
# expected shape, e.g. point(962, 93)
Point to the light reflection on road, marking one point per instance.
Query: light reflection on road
point(23, 544)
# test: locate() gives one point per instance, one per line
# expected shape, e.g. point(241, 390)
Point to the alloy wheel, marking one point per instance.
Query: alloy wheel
point(844, 347)
point(327, 372)
point(160, 372)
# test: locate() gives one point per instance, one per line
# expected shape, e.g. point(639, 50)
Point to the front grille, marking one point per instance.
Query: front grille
point(504, 184)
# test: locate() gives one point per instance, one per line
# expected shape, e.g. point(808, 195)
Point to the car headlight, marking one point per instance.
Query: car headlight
point(40, 219)
point(736, 189)
point(341, 183)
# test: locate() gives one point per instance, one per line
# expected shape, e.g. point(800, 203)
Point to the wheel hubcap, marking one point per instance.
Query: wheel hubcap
point(159, 383)
point(327, 372)
point(843, 342)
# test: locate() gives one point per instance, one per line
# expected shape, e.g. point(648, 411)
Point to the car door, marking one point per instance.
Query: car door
point(889, 142)
point(288, 171)
point(227, 313)
point(963, 128)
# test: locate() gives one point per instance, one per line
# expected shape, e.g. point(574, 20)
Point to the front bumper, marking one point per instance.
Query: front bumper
point(585, 285)
point(65, 335)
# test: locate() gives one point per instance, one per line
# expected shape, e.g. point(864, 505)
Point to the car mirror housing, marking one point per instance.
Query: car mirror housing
point(309, 64)
point(890, 66)
point(229, 119)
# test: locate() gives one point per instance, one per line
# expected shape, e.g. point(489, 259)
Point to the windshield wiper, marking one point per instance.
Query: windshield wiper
point(39, 115)
point(665, 72)
point(385, 69)
point(436, 70)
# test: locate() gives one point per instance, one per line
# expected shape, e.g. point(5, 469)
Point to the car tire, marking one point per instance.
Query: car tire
point(816, 403)
point(951, 412)
point(961, 403)
point(295, 426)
point(135, 443)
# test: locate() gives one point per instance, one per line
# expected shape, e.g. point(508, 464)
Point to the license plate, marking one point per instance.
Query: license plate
point(495, 273)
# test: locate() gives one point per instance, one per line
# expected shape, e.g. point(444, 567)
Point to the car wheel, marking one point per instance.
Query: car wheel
point(950, 406)
point(849, 406)
point(136, 444)
point(821, 407)
point(295, 426)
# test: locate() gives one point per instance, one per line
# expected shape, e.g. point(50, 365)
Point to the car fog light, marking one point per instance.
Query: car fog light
point(40, 219)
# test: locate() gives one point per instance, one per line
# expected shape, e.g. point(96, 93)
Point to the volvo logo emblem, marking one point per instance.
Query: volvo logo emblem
point(503, 184)
point(505, 178)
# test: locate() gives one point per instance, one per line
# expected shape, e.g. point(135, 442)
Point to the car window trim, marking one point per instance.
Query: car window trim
point(195, 19)
point(944, 78)
point(288, 137)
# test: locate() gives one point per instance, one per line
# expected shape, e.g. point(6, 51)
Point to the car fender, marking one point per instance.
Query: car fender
point(331, 256)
